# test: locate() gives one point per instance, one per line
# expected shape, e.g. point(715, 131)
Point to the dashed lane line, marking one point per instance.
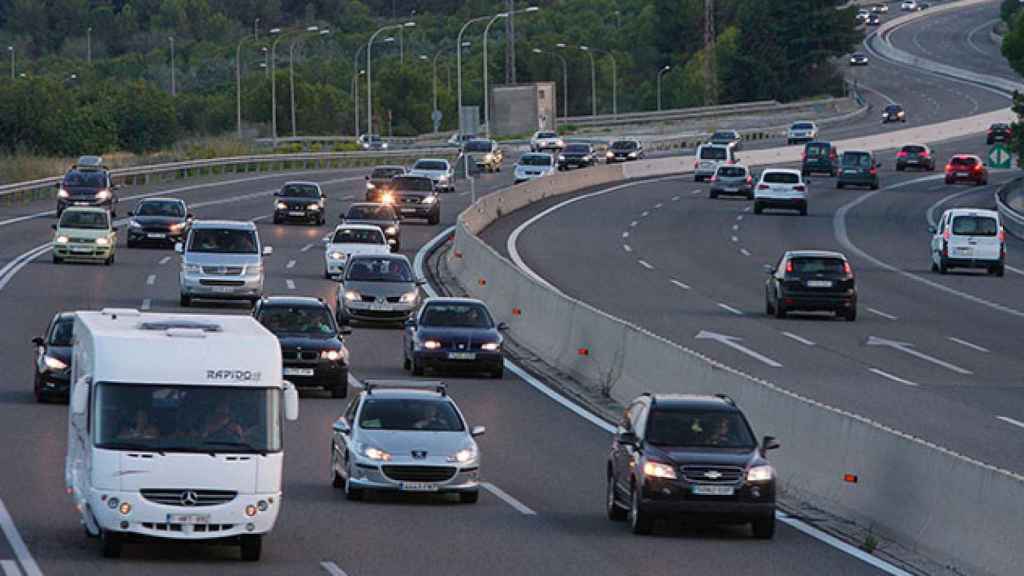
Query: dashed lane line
point(332, 569)
point(645, 264)
point(799, 339)
point(306, 248)
point(625, 234)
point(10, 568)
point(735, 239)
point(147, 304)
point(290, 283)
point(508, 499)
point(658, 205)
point(645, 214)
point(28, 564)
point(633, 224)
point(1011, 421)
point(164, 260)
point(151, 279)
point(735, 227)
point(888, 376)
point(680, 284)
point(627, 248)
point(675, 198)
point(290, 264)
point(970, 345)
point(730, 309)
point(882, 314)
point(744, 251)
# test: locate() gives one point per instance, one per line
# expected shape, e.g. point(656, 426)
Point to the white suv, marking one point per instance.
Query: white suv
point(781, 188)
point(969, 238)
point(802, 131)
point(909, 5)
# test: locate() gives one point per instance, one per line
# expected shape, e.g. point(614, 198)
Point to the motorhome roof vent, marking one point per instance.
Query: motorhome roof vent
point(168, 325)
point(186, 333)
point(115, 312)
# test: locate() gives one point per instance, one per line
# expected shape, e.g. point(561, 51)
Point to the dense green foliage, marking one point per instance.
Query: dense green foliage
point(766, 49)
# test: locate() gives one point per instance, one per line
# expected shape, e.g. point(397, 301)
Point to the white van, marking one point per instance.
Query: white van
point(709, 157)
point(969, 238)
point(174, 428)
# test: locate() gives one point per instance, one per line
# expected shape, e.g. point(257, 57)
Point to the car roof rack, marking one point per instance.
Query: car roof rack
point(725, 398)
point(435, 385)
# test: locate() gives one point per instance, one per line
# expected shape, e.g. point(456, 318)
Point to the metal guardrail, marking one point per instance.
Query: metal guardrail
point(1013, 221)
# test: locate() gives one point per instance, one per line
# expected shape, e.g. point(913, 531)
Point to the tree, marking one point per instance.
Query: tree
point(1013, 43)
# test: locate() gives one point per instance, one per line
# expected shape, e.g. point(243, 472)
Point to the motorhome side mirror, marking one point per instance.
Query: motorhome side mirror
point(932, 229)
point(38, 341)
point(628, 438)
point(291, 402)
point(421, 282)
point(80, 396)
point(345, 330)
point(478, 431)
point(268, 250)
point(179, 247)
point(769, 443)
point(340, 426)
point(502, 327)
point(769, 269)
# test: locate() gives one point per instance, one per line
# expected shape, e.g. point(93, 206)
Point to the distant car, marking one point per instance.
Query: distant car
point(999, 132)
point(858, 59)
point(858, 168)
point(454, 333)
point(84, 234)
point(781, 188)
point(819, 158)
point(459, 140)
point(378, 183)
point(53, 359)
point(811, 280)
point(377, 288)
point(416, 197)
point(87, 183)
point(966, 168)
point(533, 165)
point(880, 8)
point(485, 153)
point(162, 221)
point(727, 138)
point(438, 170)
point(625, 150)
point(312, 350)
point(222, 260)
point(863, 14)
point(802, 132)
point(546, 140)
point(873, 20)
point(302, 201)
point(894, 113)
point(349, 240)
point(915, 156)
point(732, 179)
point(405, 437)
point(969, 238)
point(383, 216)
point(909, 5)
point(576, 156)
point(692, 456)
point(372, 142)
point(709, 157)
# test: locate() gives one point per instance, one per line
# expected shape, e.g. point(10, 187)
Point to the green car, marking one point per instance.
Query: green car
point(819, 158)
point(858, 168)
point(84, 234)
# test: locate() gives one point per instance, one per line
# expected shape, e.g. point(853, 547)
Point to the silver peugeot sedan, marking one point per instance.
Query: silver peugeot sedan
point(377, 288)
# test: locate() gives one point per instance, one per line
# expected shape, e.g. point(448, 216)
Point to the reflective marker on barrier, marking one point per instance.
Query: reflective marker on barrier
point(517, 312)
point(483, 282)
point(583, 352)
point(850, 478)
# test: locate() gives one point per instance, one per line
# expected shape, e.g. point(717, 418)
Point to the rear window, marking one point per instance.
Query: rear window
point(358, 236)
point(535, 160)
point(857, 159)
point(430, 165)
point(370, 212)
point(893, 108)
point(913, 149)
point(723, 136)
point(962, 161)
point(624, 145)
point(975, 226)
point(88, 179)
point(817, 265)
point(803, 126)
point(478, 146)
point(732, 171)
point(780, 178)
point(546, 135)
point(385, 173)
point(577, 149)
point(817, 150)
point(712, 153)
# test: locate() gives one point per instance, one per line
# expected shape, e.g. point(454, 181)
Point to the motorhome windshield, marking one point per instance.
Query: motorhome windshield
point(171, 418)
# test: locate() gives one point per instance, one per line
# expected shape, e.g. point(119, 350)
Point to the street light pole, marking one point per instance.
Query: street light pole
point(615, 81)
point(458, 64)
point(593, 82)
point(291, 72)
point(88, 44)
point(660, 74)
point(238, 85)
point(565, 80)
point(487, 106)
point(174, 91)
point(273, 83)
point(369, 73)
point(11, 50)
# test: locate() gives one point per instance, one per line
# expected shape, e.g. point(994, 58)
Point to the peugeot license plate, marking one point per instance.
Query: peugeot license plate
point(379, 307)
point(192, 519)
point(156, 235)
point(714, 490)
point(296, 213)
point(461, 356)
point(819, 283)
point(418, 487)
point(298, 371)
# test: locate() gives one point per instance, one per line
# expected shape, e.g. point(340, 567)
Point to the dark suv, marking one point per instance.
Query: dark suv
point(819, 157)
point(87, 183)
point(687, 455)
point(999, 132)
point(811, 280)
point(415, 197)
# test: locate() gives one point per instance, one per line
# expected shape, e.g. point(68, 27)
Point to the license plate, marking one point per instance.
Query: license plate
point(380, 307)
point(188, 519)
point(819, 283)
point(714, 490)
point(418, 487)
point(296, 213)
point(81, 249)
point(408, 210)
point(961, 173)
point(298, 371)
point(156, 235)
point(963, 249)
point(223, 289)
point(81, 203)
point(461, 356)
point(731, 189)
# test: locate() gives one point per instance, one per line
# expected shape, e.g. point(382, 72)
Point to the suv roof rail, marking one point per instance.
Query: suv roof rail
point(435, 385)
point(725, 398)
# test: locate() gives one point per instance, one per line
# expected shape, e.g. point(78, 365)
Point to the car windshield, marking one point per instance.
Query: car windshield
point(804, 265)
point(300, 191)
point(817, 150)
point(964, 161)
point(690, 429)
point(780, 178)
point(430, 165)
point(624, 145)
point(62, 332)
point(379, 270)
point(413, 184)
point(223, 241)
point(803, 126)
point(358, 236)
point(87, 179)
point(313, 320)
point(546, 135)
point(732, 172)
point(372, 212)
point(456, 315)
point(386, 173)
point(535, 160)
point(975, 226)
point(712, 153)
point(434, 415)
point(1000, 127)
point(478, 146)
point(171, 418)
point(166, 208)
point(913, 149)
point(577, 149)
point(723, 136)
point(857, 159)
point(893, 108)
point(88, 220)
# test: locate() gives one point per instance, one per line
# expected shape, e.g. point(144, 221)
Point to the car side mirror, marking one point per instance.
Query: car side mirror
point(932, 229)
point(344, 330)
point(131, 213)
point(277, 194)
point(190, 216)
point(628, 438)
point(53, 226)
point(410, 323)
point(478, 431)
point(268, 250)
point(179, 247)
point(341, 427)
point(421, 282)
point(769, 269)
point(80, 396)
point(769, 443)
point(38, 341)
point(367, 178)
point(878, 164)
point(502, 327)
point(291, 401)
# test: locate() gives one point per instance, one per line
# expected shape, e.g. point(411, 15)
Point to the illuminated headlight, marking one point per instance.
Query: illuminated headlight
point(352, 295)
point(429, 200)
point(561, 158)
point(62, 239)
point(337, 256)
point(760, 474)
point(431, 344)
point(559, 143)
point(313, 207)
point(366, 146)
point(488, 157)
point(253, 270)
point(192, 268)
point(391, 231)
point(900, 113)
point(610, 155)
point(490, 346)
point(103, 195)
point(250, 510)
point(659, 470)
point(54, 363)
point(587, 158)
point(376, 454)
point(370, 186)
point(387, 198)
point(134, 224)
point(282, 206)
point(62, 193)
point(384, 145)
point(443, 178)
point(332, 355)
point(465, 455)
point(409, 297)
point(632, 154)
point(175, 228)
point(103, 242)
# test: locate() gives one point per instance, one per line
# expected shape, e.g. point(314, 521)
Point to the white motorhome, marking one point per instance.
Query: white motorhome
point(174, 428)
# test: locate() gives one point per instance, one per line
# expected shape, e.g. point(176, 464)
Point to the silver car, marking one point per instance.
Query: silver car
point(221, 260)
point(377, 288)
point(438, 170)
point(407, 437)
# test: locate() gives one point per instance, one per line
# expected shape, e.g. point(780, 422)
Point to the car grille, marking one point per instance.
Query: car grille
point(419, 473)
point(175, 496)
point(718, 474)
point(81, 241)
point(206, 282)
point(296, 355)
point(164, 527)
point(412, 199)
point(223, 270)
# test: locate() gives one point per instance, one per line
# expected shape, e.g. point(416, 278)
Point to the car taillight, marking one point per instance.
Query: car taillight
point(946, 234)
point(923, 154)
point(1002, 235)
point(762, 186)
point(847, 269)
point(789, 267)
point(749, 179)
point(713, 179)
point(901, 154)
point(803, 156)
point(696, 163)
point(873, 171)
point(949, 167)
point(800, 188)
point(977, 167)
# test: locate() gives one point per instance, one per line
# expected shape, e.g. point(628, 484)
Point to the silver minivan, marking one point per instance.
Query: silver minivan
point(222, 260)
point(709, 157)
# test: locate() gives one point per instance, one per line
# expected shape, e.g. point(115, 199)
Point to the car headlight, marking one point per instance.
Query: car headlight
point(391, 231)
point(464, 456)
point(409, 297)
point(387, 198)
point(632, 154)
point(587, 158)
point(103, 242)
point(429, 200)
point(62, 193)
point(255, 270)
point(609, 154)
point(331, 355)
point(134, 224)
point(561, 158)
point(54, 363)
point(443, 178)
point(488, 157)
point(337, 255)
point(659, 470)
point(376, 454)
point(431, 344)
point(352, 295)
point(313, 207)
point(366, 146)
point(192, 268)
point(175, 228)
point(370, 186)
point(490, 346)
point(384, 145)
point(282, 206)
point(760, 474)
point(103, 195)
point(559, 144)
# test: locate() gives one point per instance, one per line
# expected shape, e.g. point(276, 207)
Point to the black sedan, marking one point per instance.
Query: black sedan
point(998, 132)
point(576, 156)
point(312, 350)
point(162, 221)
point(383, 215)
point(811, 280)
point(53, 358)
point(894, 113)
point(455, 333)
point(302, 201)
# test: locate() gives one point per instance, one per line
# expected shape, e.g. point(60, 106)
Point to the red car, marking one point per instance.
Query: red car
point(966, 168)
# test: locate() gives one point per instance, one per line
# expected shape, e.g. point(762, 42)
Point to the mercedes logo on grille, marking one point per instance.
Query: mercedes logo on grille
point(462, 346)
point(189, 498)
point(419, 454)
point(712, 474)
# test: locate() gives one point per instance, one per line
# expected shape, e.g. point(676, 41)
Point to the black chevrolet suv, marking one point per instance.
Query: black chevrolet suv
point(690, 456)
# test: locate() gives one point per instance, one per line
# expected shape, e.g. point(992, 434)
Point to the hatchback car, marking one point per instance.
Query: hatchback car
point(781, 188)
point(998, 132)
point(533, 165)
point(84, 234)
point(727, 138)
point(53, 358)
point(405, 437)
point(221, 260)
point(302, 201)
point(732, 179)
point(858, 168)
point(158, 221)
point(377, 288)
point(485, 154)
point(811, 280)
point(624, 151)
point(438, 170)
point(819, 157)
point(894, 113)
point(378, 182)
point(802, 132)
point(709, 157)
point(546, 141)
point(915, 156)
point(349, 240)
point(416, 197)
point(966, 168)
point(689, 456)
point(87, 183)
point(576, 156)
point(383, 216)
point(455, 333)
point(372, 142)
point(969, 238)
point(312, 350)
point(858, 59)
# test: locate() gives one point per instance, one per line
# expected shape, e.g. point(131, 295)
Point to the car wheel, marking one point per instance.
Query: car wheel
point(769, 310)
point(327, 275)
point(639, 520)
point(900, 167)
point(37, 390)
point(839, 185)
point(340, 390)
point(276, 220)
point(851, 314)
point(498, 373)
point(185, 301)
point(406, 364)
point(712, 194)
point(943, 268)
point(999, 271)
point(935, 267)
point(57, 259)
point(616, 513)
point(803, 210)
point(351, 492)
point(110, 544)
point(129, 243)
point(342, 318)
point(757, 208)
point(434, 218)
point(780, 310)
point(764, 529)
point(336, 479)
point(469, 497)
point(109, 260)
point(949, 181)
point(696, 178)
point(251, 546)
point(417, 368)
point(874, 185)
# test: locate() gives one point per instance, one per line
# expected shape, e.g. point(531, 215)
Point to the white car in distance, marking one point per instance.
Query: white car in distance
point(438, 170)
point(534, 165)
point(348, 240)
point(802, 131)
point(544, 140)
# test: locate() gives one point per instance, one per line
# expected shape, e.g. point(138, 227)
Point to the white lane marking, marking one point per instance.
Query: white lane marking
point(332, 569)
point(1014, 270)
point(14, 266)
point(164, 260)
point(730, 309)
point(658, 205)
point(10, 568)
point(893, 378)
point(508, 499)
point(680, 284)
point(151, 279)
point(735, 227)
point(975, 30)
point(907, 348)
point(290, 264)
point(744, 251)
point(645, 264)
point(633, 224)
point(146, 304)
point(882, 314)
point(734, 343)
point(929, 214)
point(739, 218)
point(645, 214)
point(735, 239)
point(625, 234)
point(970, 345)
point(28, 564)
point(799, 339)
point(290, 283)
point(1011, 421)
point(675, 198)
point(748, 208)
point(830, 540)
point(306, 248)
point(627, 248)
point(349, 197)
point(695, 192)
